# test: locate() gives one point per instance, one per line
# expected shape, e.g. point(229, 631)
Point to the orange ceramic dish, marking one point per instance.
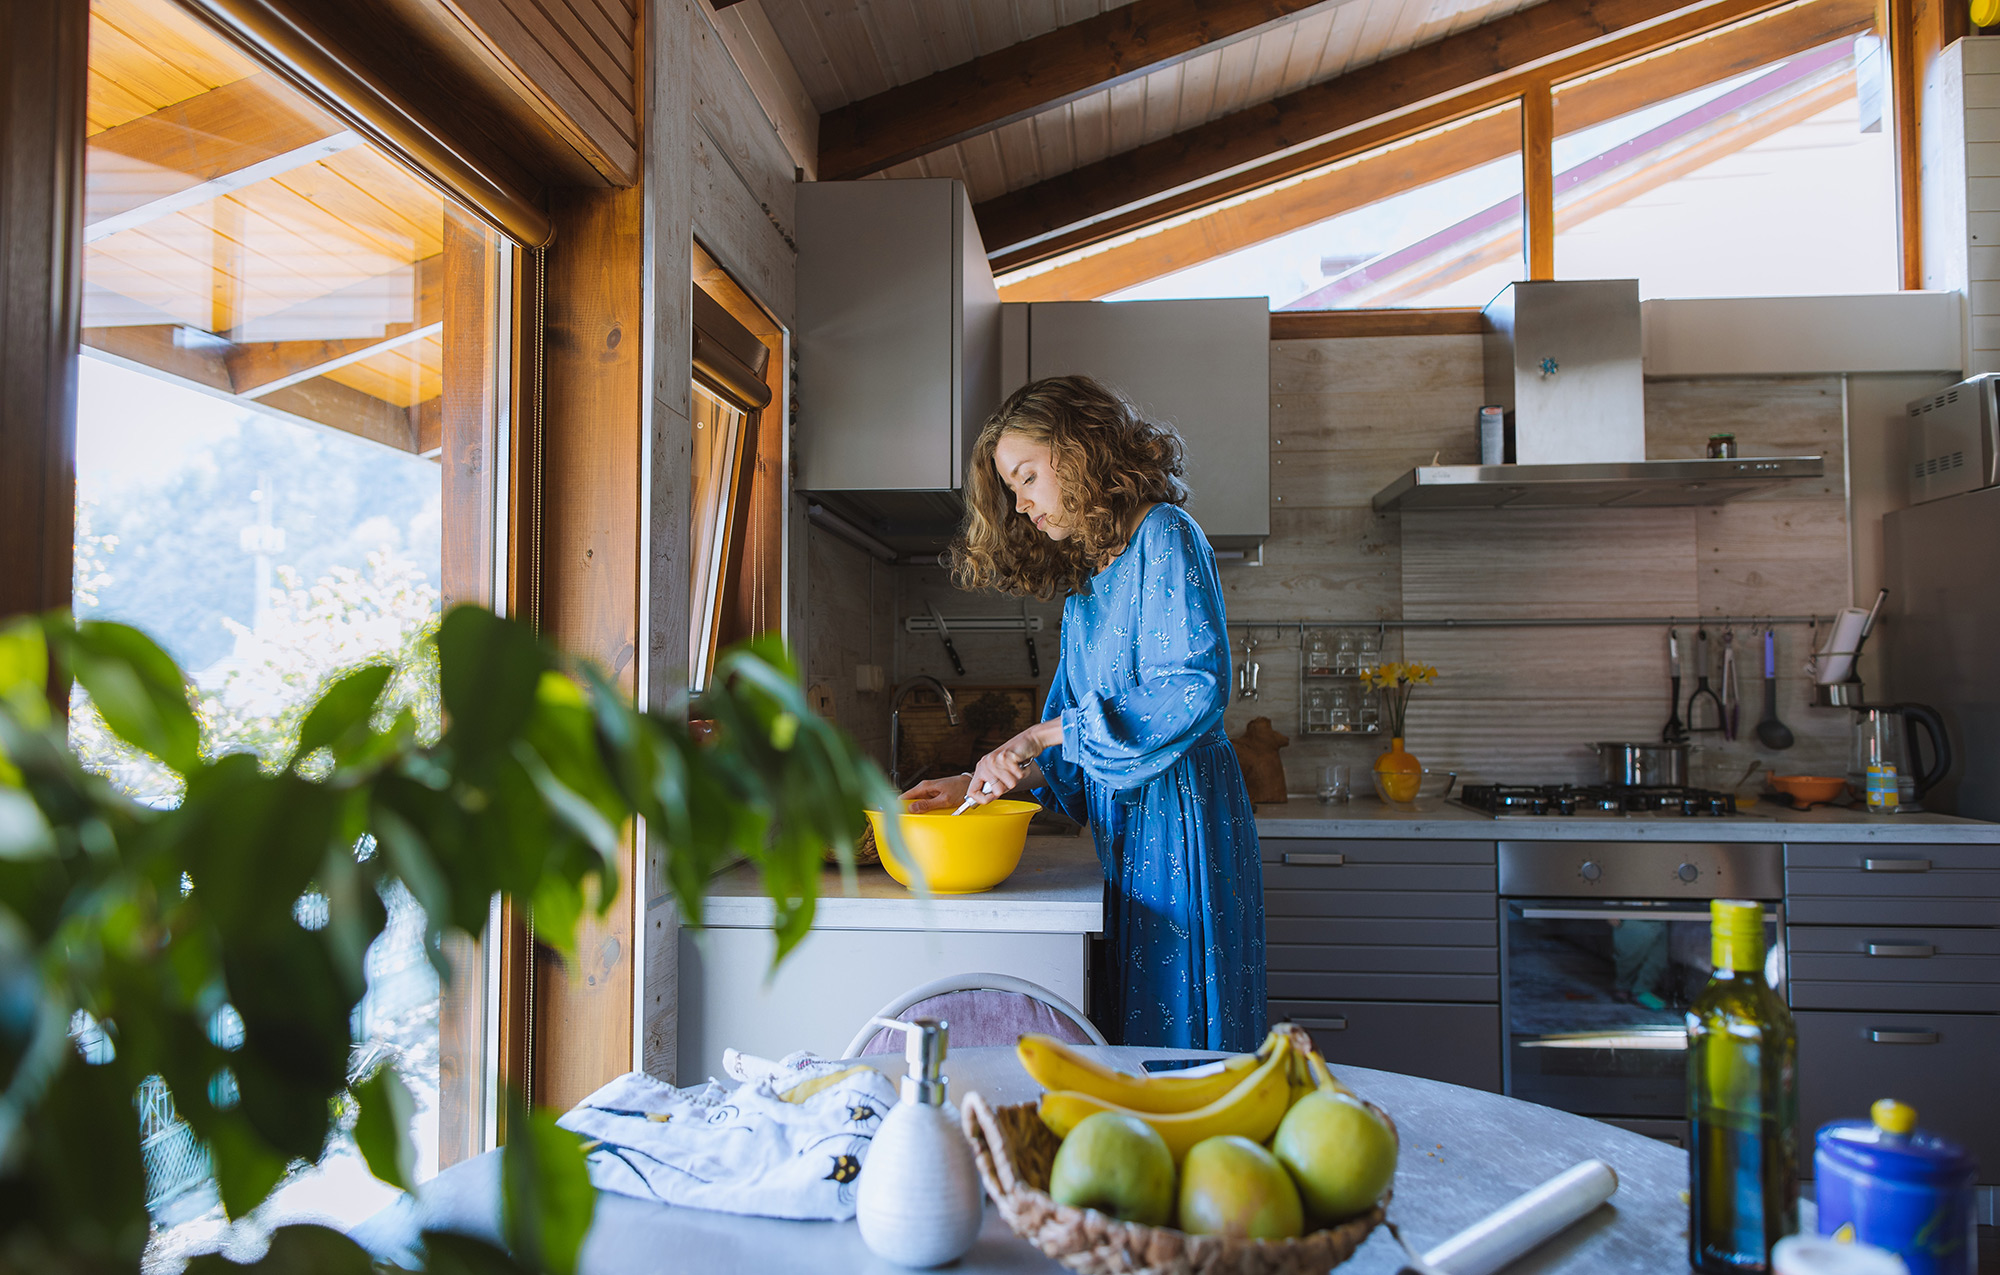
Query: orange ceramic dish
point(1811, 789)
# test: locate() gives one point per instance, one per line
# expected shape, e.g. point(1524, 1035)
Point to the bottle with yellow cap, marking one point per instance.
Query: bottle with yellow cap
point(1742, 1062)
point(1885, 1182)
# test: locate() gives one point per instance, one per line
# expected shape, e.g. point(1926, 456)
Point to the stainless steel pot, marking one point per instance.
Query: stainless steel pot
point(1643, 765)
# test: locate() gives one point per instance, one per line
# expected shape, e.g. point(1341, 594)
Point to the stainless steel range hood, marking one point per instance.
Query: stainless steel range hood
point(1647, 484)
point(1564, 360)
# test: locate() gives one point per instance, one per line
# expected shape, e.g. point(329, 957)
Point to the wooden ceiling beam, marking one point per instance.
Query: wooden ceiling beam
point(259, 368)
point(1410, 93)
point(1038, 74)
point(1755, 43)
point(193, 151)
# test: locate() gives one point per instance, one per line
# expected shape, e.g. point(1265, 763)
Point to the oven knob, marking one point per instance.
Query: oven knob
point(1687, 872)
point(1589, 871)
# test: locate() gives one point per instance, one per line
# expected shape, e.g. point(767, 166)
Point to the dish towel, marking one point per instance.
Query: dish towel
point(788, 1143)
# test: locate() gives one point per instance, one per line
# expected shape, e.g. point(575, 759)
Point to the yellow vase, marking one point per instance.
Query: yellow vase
point(1398, 774)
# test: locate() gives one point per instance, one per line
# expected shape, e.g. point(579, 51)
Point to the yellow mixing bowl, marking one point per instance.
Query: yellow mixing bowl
point(960, 854)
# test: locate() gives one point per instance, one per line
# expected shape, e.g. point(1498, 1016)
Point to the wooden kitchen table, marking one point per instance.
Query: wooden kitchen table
point(1465, 1153)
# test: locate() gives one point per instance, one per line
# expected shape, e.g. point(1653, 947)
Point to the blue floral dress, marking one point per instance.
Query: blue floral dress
point(1141, 687)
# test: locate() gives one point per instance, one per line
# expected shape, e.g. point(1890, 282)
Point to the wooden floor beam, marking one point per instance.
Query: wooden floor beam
point(1756, 35)
point(1038, 74)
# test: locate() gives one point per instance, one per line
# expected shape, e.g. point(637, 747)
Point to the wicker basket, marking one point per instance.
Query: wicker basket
point(1015, 1152)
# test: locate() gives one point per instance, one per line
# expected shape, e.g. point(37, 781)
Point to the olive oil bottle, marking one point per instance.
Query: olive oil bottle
point(1742, 1065)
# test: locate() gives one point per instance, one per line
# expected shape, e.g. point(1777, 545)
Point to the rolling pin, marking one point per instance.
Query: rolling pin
point(1519, 1225)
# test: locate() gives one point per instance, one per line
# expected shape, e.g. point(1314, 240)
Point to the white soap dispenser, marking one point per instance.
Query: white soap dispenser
point(918, 1202)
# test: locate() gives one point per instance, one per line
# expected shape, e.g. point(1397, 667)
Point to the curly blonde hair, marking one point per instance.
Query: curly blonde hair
point(1111, 461)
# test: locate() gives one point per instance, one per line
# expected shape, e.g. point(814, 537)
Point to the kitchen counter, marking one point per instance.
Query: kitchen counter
point(869, 947)
point(1058, 889)
point(1369, 818)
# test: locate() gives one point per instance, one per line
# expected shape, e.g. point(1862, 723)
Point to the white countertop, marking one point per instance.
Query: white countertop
point(1367, 817)
point(1058, 889)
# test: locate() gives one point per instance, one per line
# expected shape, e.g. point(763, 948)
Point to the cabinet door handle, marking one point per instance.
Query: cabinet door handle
point(1901, 949)
point(1323, 1024)
point(1881, 1037)
point(1296, 859)
point(1895, 865)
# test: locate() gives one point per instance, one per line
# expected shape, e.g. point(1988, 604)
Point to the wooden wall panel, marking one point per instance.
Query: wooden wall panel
point(853, 604)
point(42, 92)
point(590, 584)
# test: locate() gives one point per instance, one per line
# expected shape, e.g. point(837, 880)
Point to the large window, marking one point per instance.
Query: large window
point(283, 331)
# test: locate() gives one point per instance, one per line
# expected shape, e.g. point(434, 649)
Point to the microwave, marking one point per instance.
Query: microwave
point(1952, 439)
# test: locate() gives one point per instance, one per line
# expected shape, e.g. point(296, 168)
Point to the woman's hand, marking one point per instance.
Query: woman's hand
point(936, 794)
point(1012, 765)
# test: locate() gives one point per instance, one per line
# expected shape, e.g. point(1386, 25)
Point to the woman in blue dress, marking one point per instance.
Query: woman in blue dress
point(1071, 493)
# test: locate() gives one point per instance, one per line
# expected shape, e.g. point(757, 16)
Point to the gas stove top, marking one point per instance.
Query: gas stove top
point(1504, 801)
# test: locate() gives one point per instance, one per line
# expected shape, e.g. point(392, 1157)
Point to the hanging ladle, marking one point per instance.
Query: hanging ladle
point(1771, 732)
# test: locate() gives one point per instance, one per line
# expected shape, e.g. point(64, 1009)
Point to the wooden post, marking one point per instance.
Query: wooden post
point(1538, 180)
point(1905, 88)
point(43, 47)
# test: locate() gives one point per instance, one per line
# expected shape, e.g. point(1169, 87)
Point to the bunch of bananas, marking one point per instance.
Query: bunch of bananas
point(1249, 1096)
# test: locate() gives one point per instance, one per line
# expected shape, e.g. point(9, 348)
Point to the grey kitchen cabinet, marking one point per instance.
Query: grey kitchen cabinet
point(1944, 1065)
point(1886, 967)
point(1456, 1043)
point(1203, 366)
point(1893, 964)
point(1388, 952)
point(1876, 884)
point(898, 339)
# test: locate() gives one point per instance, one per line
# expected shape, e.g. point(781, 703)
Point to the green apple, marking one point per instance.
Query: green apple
point(1116, 1164)
point(1342, 1154)
point(1232, 1186)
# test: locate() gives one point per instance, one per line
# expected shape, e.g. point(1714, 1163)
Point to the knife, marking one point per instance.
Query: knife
point(1034, 656)
point(944, 634)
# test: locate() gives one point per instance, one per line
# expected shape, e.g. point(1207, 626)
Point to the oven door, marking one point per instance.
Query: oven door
point(1593, 999)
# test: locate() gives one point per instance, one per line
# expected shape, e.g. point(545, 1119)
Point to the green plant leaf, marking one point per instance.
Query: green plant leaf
point(138, 689)
point(382, 1127)
point(24, 672)
point(303, 1249)
point(343, 712)
point(246, 1169)
point(488, 669)
point(547, 1200)
point(24, 833)
point(450, 1253)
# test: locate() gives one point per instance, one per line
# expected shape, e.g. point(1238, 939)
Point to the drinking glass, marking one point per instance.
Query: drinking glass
point(1335, 783)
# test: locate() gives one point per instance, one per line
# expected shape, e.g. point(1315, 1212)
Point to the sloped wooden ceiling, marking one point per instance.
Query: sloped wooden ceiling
point(1074, 121)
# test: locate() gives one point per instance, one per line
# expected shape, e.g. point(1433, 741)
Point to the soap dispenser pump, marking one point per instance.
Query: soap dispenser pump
point(918, 1202)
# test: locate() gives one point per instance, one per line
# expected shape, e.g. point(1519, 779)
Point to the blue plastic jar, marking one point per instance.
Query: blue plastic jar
point(1885, 1182)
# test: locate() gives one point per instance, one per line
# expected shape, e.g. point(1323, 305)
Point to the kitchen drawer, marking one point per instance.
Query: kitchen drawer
point(1942, 1064)
point(1380, 876)
point(1382, 932)
point(1850, 884)
point(1459, 1044)
point(1386, 905)
point(1383, 985)
point(1354, 851)
point(1887, 968)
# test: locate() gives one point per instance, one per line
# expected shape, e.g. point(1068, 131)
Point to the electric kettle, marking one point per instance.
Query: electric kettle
point(1887, 752)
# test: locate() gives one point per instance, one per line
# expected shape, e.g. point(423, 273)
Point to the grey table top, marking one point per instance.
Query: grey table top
point(1058, 888)
point(1367, 817)
point(1465, 1153)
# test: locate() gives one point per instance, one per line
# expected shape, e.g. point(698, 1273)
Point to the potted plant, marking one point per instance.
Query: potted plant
point(145, 924)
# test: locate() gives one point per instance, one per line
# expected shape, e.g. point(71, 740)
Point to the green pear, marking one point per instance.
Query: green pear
point(1342, 1154)
point(1232, 1186)
point(1116, 1164)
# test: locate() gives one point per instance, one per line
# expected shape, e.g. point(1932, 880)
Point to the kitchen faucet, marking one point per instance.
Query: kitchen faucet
point(896, 719)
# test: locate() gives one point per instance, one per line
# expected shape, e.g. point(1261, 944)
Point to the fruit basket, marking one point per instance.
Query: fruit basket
point(1015, 1152)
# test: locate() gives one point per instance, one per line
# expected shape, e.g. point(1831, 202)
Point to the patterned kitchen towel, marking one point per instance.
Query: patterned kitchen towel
point(775, 1146)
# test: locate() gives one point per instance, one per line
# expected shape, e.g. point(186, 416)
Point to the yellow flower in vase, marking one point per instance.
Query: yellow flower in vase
point(1398, 774)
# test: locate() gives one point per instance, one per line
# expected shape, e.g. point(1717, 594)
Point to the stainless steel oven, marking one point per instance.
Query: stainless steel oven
point(1603, 946)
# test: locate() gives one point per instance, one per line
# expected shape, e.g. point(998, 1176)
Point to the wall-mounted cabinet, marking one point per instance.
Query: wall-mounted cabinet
point(898, 345)
point(1202, 366)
